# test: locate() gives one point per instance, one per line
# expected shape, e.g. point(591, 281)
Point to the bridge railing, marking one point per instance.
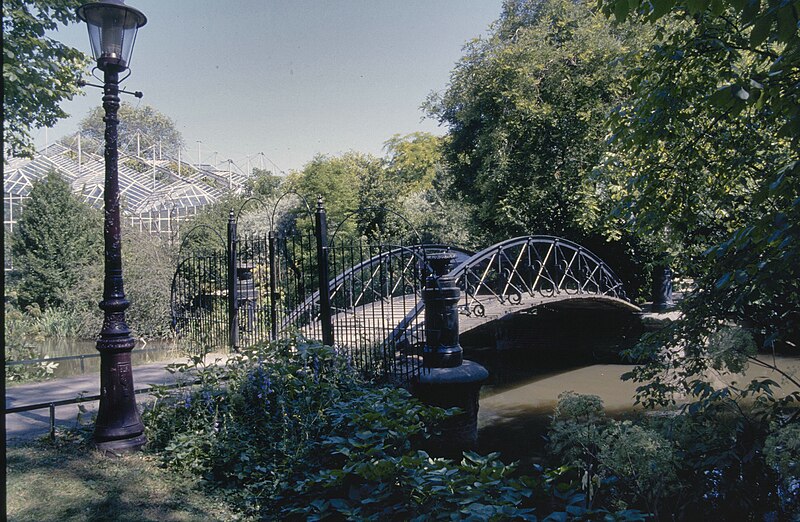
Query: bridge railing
point(263, 287)
point(536, 267)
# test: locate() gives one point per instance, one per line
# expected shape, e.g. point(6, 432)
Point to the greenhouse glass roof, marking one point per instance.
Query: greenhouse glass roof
point(146, 185)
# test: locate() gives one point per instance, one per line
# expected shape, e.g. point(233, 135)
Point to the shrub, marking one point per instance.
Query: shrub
point(250, 420)
point(290, 431)
point(16, 325)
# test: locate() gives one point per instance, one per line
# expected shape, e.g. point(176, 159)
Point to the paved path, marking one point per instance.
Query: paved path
point(32, 424)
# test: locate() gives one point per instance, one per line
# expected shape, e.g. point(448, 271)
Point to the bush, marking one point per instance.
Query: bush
point(15, 327)
point(251, 420)
point(718, 459)
point(290, 431)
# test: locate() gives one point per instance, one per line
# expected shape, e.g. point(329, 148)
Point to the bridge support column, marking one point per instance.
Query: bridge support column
point(447, 380)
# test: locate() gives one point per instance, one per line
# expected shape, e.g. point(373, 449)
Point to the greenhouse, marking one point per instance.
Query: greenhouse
point(158, 194)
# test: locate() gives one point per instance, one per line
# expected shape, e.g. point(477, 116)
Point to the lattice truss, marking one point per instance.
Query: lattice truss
point(157, 195)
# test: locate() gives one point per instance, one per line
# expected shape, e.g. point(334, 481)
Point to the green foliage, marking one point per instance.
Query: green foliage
point(414, 160)
point(289, 431)
point(153, 129)
point(782, 451)
point(730, 348)
point(527, 110)
point(766, 31)
point(15, 330)
point(250, 421)
point(57, 239)
point(263, 184)
point(38, 71)
point(705, 155)
point(720, 458)
point(338, 181)
point(643, 465)
point(58, 251)
point(706, 159)
point(576, 437)
point(148, 270)
point(208, 231)
point(415, 165)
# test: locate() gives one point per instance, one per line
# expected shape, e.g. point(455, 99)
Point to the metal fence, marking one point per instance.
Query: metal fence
point(264, 287)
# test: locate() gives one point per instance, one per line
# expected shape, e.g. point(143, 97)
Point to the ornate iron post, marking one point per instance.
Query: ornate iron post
point(447, 380)
point(274, 296)
point(118, 426)
point(233, 298)
point(662, 287)
point(112, 32)
point(325, 315)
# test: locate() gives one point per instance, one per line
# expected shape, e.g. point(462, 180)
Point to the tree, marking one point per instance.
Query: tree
point(706, 157)
point(526, 110)
point(58, 237)
point(263, 183)
point(415, 163)
point(208, 230)
point(414, 159)
point(38, 71)
point(338, 179)
point(152, 129)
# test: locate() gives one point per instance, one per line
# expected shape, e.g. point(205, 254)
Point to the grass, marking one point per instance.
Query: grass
point(69, 481)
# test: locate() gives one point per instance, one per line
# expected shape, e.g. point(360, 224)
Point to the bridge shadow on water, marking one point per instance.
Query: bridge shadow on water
point(534, 357)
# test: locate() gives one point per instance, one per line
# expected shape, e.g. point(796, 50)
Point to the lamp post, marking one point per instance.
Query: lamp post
point(112, 32)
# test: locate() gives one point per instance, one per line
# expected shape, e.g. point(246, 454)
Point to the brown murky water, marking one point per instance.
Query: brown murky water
point(515, 413)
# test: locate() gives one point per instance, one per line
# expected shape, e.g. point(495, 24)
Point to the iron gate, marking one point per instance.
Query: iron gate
point(265, 287)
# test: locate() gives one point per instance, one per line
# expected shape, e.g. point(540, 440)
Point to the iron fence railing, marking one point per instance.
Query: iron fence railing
point(263, 287)
point(362, 296)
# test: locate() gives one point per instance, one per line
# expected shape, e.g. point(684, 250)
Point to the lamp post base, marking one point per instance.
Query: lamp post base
point(119, 426)
point(121, 445)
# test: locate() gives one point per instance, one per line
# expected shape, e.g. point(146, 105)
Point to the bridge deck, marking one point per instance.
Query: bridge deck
point(373, 323)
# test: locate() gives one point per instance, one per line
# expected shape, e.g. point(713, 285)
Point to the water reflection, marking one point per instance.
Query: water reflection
point(143, 353)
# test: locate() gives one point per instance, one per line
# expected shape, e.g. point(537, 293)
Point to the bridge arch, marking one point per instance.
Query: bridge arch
point(523, 273)
point(545, 267)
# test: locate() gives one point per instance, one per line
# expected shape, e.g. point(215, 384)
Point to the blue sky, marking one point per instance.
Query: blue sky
point(290, 78)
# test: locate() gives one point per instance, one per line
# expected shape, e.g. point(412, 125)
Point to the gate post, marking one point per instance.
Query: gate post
point(273, 289)
point(446, 379)
point(325, 315)
point(233, 305)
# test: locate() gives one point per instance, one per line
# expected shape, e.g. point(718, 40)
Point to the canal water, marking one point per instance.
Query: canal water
point(518, 402)
point(144, 352)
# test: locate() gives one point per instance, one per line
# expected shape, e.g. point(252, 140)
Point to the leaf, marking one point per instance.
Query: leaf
point(662, 7)
point(787, 23)
point(750, 10)
point(621, 9)
point(760, 30)
point(696, 6)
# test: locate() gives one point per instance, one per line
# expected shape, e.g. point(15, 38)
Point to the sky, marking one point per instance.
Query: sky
point(280, 81)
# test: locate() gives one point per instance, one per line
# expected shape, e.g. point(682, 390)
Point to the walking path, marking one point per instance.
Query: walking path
point(36, 423)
